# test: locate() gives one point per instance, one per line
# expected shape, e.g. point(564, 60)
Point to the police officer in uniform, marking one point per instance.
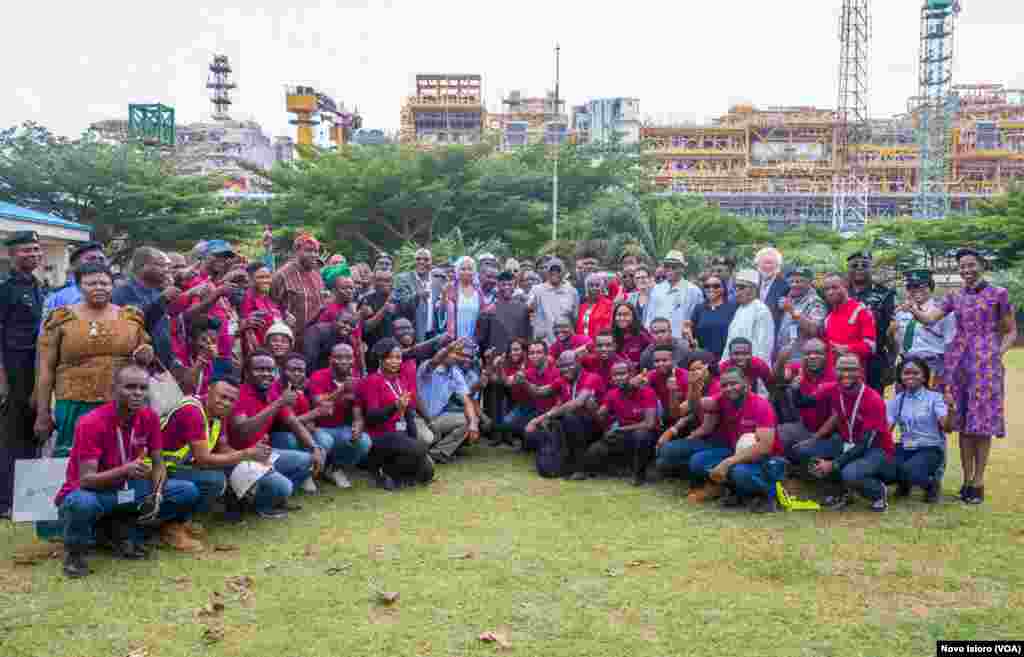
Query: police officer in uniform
point(21, 306)
point(882, 303)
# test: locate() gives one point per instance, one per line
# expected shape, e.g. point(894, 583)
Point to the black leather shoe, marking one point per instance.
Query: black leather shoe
point(131, 551)
point(74, 564)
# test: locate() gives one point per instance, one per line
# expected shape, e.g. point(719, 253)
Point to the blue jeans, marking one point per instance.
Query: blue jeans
point(759, 478)
point(704, 461)
point(211, 483)
point(81, 509)
point(291, 469)
point(822, 448)
point(864, 474)
point(675, 455)
point(519, 417)
point(914, 467)
point(287, 441)
point(346, 451)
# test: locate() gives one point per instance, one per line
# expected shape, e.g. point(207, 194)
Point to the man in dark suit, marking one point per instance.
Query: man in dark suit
point(773, 286)
point(427, 289)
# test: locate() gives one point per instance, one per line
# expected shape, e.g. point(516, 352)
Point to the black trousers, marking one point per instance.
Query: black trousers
point(637, 445)
point(401, 457)
point(18, 418)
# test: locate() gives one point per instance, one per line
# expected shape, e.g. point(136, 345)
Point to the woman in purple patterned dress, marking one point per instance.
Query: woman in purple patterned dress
point(986, 330)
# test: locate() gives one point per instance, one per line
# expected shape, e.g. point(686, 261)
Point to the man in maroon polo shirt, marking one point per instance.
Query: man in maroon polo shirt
point(601, 361)
point(741, 356)
point(749, 472)
point(334, 388)
point(856, 438)
point(806, 379)
point(115, 465)
point(565, 340)
point(633, 415)
point(196, 448)
point(578, 396)
point(254, 415)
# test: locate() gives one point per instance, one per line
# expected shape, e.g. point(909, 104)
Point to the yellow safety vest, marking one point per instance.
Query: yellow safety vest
point(183, 456)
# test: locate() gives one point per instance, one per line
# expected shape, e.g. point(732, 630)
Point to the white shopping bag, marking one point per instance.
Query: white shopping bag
point(36, 482)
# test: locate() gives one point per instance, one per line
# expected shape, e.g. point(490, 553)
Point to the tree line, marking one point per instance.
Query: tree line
point(362, 200)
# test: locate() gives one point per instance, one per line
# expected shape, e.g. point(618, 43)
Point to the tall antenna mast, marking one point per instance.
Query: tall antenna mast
point(558, 152)
point(219, 82)
point(850, 185)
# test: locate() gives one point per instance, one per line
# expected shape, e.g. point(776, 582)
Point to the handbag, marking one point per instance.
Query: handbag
point(165, 394)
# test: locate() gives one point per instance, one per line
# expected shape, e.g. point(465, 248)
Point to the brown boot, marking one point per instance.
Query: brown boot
point(175, 535)
point(710, 491)
point(195, 530)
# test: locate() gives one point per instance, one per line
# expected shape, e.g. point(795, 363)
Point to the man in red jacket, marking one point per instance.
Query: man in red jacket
point(849, 326)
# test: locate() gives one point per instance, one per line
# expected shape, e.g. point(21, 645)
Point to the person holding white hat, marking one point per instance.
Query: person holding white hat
point(279, 340)
point(753, 320)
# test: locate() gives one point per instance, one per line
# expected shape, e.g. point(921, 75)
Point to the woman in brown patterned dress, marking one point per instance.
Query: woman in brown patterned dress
point(80, 348)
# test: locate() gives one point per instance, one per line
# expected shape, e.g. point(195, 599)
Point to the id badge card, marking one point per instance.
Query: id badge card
point(400, 425)
point(233, 327)
point(125, 496)
point(847, 447)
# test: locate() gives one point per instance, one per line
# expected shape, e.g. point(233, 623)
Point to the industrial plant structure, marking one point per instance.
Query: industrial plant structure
point(446, 108)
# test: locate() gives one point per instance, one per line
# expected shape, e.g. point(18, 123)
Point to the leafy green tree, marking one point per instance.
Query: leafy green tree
point(125, 192)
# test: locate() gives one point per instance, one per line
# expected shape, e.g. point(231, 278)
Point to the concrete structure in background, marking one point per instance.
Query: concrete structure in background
point(601, 120)
point(56, 236)
point(530, 120)
point(446, 108)
point(216, 147)
point(371, 137)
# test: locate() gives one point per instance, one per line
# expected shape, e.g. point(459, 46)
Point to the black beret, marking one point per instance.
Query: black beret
point(81, 249)
point(864, 255)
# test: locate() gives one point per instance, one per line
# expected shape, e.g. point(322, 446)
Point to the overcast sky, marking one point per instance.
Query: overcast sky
point(68, 63)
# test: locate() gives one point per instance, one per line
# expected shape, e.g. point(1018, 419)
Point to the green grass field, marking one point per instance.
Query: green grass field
point(552, 568)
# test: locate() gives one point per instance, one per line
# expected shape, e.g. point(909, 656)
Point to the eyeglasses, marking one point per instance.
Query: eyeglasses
point(860, 264)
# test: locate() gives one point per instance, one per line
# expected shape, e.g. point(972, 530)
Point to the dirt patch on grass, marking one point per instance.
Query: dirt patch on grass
point(544, 488)
point(480, 488)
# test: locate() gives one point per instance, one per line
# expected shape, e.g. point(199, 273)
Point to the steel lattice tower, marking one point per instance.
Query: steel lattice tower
point(219, 81)
point(936, 106)
point(850, 187)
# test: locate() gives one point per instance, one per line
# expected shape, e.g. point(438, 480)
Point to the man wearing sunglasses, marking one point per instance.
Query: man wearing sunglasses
point(881, 301)
point(676, 298)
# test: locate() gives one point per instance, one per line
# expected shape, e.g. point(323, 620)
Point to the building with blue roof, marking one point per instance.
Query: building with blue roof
point(57, 236)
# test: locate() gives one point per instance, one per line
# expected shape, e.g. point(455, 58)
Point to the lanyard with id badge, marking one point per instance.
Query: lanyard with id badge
point(852, 418)
point(125, 495)
point(396, 388)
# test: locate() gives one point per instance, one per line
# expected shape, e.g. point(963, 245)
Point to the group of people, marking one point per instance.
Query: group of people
point(203, 382)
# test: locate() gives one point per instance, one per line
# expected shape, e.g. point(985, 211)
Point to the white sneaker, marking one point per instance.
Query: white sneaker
point(339, 479)
point(309, 486)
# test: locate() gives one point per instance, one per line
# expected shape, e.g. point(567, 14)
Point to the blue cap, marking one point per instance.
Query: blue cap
point(216, 248)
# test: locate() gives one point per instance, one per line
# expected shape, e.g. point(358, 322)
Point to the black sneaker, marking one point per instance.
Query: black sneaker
point(964, 490)
point(131, 551)
point(976, 495)
point(731, 501)
point(578, 476)
point(766, 505)
point(639, 478)
point(931, 493)
point(903, 489)
point(837, 502)
point(272, 514)
point(882, 503)
point(74, 564)
point(386, 482)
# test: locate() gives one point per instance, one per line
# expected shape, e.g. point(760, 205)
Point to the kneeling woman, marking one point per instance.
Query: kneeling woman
point(924, 418)
point(396, 457)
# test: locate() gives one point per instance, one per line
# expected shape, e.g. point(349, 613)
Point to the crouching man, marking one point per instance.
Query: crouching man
point(743, 459)
point(114, 468)
point(195, 448)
